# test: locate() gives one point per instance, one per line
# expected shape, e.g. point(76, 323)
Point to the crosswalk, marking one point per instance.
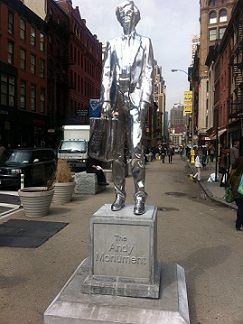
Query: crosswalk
point(9, 202)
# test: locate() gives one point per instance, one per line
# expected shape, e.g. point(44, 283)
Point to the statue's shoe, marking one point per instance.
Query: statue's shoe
point(118, 204)
point(139, 208)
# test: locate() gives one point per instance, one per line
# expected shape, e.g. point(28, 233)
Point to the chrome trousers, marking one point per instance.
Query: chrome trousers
point(130, 132)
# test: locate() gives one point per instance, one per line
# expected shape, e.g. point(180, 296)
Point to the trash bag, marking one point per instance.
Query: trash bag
point(211, 177)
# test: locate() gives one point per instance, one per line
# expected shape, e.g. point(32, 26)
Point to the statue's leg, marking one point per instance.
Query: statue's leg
point(118, 167)
point(137, 159)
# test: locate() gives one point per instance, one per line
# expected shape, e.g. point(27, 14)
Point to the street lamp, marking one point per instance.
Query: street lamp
point(176, 70)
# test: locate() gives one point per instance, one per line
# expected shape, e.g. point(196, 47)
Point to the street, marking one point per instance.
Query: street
point(193, 231)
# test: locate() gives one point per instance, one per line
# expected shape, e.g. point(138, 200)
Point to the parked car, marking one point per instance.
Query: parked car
point(36, 164)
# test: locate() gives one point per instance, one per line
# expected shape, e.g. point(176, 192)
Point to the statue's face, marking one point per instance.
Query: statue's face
point(127, 18)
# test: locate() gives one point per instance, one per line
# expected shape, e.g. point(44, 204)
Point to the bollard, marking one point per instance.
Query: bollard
point(21, 181)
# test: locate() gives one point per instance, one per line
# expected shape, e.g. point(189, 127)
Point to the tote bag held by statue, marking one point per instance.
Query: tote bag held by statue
point(103, 141)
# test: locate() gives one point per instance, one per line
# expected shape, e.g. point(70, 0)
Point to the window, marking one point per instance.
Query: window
point(223, 15)
point(8, 85)
point(32, 63)
point(221, 32)
point(4, 89)
point(10, 23)
point(212, 17)
point(10, 52)
point(42, 42)
point(32, 36)
point(42, 68)
point(23, 94)
point(212, 34)
point(22, 29)
point(33, 97)
point(11, 91)
point(22, 59)
point(211, 3)
point(42, 100)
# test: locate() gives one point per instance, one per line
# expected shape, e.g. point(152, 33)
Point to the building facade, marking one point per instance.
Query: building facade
point(214, 18)
point(49, 70)
point(85, 66)
point(23, 65)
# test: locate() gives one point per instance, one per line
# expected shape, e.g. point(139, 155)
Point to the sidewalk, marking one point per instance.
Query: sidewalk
point(212, 189)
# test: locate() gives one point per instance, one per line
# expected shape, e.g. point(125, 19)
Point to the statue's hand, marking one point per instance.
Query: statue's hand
point(106, 110)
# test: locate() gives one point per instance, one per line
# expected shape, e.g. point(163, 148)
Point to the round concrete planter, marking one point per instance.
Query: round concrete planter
point(36, 201)
point(63, 192)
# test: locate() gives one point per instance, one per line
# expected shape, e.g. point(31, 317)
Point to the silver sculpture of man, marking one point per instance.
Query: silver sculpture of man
point(126, 94)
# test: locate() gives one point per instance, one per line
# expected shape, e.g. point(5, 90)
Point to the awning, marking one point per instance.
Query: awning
point(221, 132)
point(213, 136)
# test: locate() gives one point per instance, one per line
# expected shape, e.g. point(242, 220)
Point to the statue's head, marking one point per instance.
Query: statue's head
point(128, 15)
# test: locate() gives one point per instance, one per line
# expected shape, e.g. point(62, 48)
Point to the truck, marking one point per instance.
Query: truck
point(74, 146)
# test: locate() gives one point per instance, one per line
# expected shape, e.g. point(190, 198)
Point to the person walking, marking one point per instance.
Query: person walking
point(234, 152)
point(224, 167)
point(170, 154)
point(211, 152)
point(163, 154)
point(127, 85)
point(234, 181)
point(198, 165)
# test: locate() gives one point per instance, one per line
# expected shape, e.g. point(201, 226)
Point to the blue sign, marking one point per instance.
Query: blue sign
point(94, 108)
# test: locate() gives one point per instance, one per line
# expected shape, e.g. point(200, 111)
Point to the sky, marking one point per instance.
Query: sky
point(169, 24)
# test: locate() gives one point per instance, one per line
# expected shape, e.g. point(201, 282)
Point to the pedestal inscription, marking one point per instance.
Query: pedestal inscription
point(121, 250)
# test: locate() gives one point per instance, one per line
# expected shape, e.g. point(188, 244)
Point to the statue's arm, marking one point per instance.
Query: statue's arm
point(147, 81)
point(106, 83)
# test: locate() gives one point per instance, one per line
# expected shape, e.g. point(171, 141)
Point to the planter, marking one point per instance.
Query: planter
point(63, 192)
point(36, 201)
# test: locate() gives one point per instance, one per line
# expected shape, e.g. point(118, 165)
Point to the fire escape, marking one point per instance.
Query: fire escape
point(236, 100)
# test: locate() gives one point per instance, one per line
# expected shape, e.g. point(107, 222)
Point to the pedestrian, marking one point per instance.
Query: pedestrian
point(188, 152)
point(127, 84)
point(94, 166)
point(204, 157)
point(234, 152)
point(211, 152)
point(169, 154)
point(198, 165)
point(224, 167)
point(234, 181)
point(163, 154)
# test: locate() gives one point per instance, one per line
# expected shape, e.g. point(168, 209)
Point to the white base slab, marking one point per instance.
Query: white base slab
point(71, 306)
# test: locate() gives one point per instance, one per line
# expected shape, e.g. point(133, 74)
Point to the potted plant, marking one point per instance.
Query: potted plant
point(36, 201)
point(64, 183)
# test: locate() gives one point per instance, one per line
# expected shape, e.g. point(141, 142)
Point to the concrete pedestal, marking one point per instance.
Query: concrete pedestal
point(110, 286)
point(72, 306)
point(123, 253)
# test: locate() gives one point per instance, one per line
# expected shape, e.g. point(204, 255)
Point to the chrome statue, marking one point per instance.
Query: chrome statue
point(126, 94)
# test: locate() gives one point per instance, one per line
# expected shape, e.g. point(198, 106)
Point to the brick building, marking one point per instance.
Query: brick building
point(214, 18)
point(50, 68)
point(23, 87)
point(85, 66)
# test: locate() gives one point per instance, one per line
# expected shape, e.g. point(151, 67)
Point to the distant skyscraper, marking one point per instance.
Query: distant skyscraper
point(177, 119)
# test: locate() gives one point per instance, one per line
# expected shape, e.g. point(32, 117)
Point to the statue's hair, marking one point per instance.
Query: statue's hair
point(122, 5)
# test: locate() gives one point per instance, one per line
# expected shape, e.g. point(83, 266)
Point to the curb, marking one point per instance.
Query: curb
point(210, 194)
